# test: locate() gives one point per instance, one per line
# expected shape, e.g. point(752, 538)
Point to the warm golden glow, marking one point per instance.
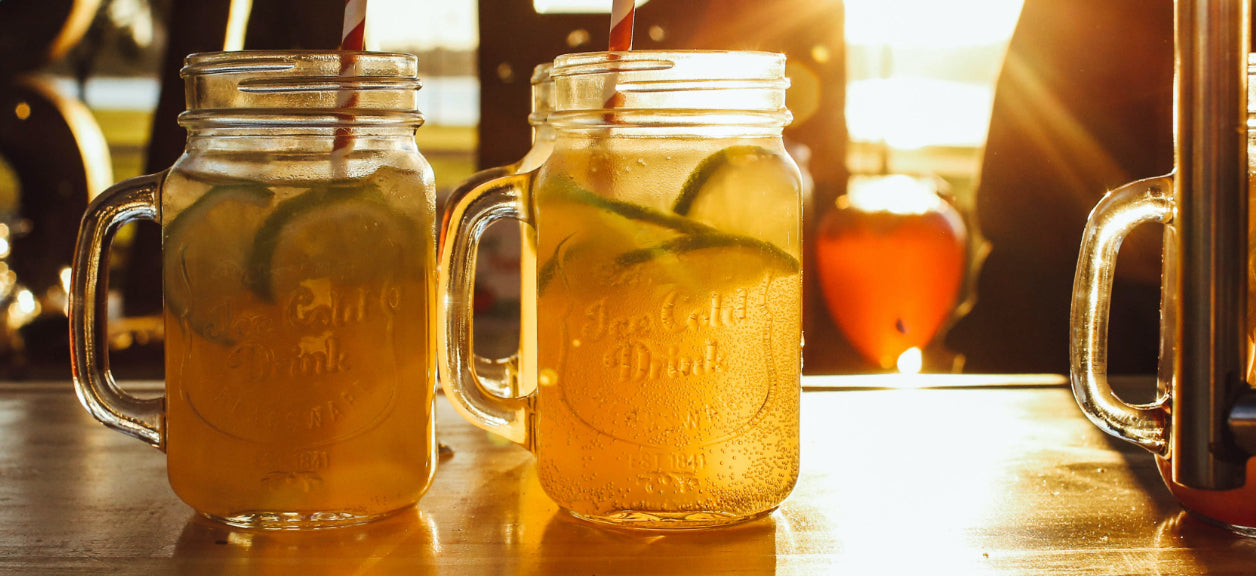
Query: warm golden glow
point(26, 302)
point(911, 113)
point(911, 361)
point(91, 140)
point(930, 23)
point(66, 274)
point(921, 72)
point(237, 24)
point(950, 497)
point(23, 309)
point(895, 193)
point(61, 293)
point(8, 280)
point(241, 539)
point(22, 110)
point(820, 53)
point(805, 89)
point(81, 15)
point(575, 6)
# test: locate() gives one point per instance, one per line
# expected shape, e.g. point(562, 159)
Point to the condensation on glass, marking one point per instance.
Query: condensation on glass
point(659, 363)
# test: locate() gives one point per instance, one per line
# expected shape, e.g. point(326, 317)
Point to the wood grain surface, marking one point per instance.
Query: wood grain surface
point(941, 481)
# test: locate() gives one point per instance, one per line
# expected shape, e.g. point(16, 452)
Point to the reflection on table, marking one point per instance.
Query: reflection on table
point(972, 480)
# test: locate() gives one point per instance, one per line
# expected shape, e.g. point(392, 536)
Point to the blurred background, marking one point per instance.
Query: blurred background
point(952, 149)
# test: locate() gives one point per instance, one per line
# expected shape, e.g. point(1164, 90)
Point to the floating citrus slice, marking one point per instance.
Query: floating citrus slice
point(629, 234)
point(616, 254)
point(772, 255)
point(731, 189)
point(564, 190)
point(349, 234)
point(205, 249)
point(592, 230)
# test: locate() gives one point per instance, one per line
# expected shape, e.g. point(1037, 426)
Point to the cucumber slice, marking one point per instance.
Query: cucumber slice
point(612, 257)
point(567, 190)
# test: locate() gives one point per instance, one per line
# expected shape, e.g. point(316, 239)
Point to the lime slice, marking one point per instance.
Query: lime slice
point(708, 167)
point(567, 190)
point(731, 189)
point(628, 234)
point(782, 260)
point(205, 249)
point(700, 263)
point(351, 235)
point(594, 229)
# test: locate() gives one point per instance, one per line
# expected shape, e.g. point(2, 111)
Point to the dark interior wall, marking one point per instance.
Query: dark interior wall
point(1085, 104)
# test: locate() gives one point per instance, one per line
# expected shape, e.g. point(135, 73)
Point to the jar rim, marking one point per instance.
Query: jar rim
point(308, 61)
point(541, 73)
point(670, 87)
point(301, 87)
point(679, 64)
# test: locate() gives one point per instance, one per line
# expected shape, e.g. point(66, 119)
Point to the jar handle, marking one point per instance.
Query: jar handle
point(492, 371)
point(1119, 212)
point(467, 388)
point(131, 200)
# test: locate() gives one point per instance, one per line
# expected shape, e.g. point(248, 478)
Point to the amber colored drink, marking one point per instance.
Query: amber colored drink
point(299, 385)
point(668, 331)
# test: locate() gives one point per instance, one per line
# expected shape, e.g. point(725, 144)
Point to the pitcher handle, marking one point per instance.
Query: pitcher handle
point(131, 200)
point(470, 389)
point(1118, 213)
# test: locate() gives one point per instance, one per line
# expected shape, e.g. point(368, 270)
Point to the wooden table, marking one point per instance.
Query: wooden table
point(913, 481)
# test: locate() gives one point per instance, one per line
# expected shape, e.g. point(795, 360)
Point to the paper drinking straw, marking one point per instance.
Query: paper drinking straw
point(353, 37)
point(353, 34)
point(622, 14)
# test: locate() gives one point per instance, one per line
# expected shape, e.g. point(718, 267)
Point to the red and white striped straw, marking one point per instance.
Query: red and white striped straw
point(353, 34)
point(353, 38)
point(623, 12)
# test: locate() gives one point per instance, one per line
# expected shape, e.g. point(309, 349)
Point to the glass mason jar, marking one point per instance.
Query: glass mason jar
point(298, 242)
point(661, 347)
point(542, 106)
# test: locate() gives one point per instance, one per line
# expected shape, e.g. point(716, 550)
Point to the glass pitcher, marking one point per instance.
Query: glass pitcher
point(1202, 425)
point(298, 242)
point(661, 333)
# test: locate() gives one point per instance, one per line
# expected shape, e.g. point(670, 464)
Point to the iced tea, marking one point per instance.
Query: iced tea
point(297, 329)
point(668, 332)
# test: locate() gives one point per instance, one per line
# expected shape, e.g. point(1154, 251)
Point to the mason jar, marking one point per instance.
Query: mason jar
point(659, 364)
point(298, 273)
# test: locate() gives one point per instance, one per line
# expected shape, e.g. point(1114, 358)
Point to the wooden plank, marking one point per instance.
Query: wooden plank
point(970, 481)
